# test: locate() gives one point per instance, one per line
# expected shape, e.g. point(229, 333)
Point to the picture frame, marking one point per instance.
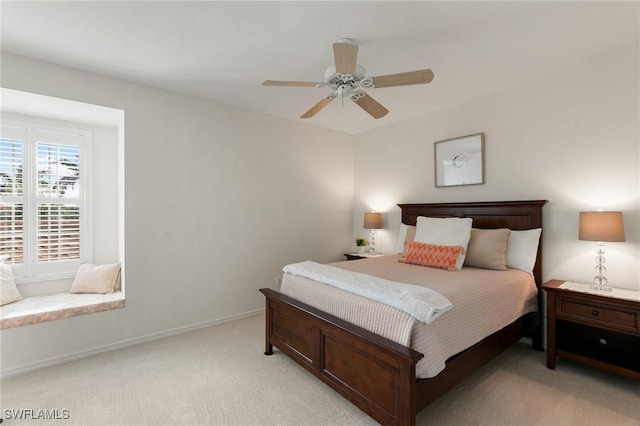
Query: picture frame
point(459, 161)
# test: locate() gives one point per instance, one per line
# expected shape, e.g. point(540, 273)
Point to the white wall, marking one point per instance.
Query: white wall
point(570, 137)
point(217, 201)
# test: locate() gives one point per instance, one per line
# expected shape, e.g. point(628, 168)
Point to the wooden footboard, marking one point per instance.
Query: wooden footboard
point(375, 374)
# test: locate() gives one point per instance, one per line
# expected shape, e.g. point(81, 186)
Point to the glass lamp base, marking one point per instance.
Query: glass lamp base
point(372, 246)
point(600, 281)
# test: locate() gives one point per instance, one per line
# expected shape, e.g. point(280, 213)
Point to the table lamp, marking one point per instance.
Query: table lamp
point(601, 227)
point(372, 221)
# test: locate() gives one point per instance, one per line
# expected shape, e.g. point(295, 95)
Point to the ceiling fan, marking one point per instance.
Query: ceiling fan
point(347, 79)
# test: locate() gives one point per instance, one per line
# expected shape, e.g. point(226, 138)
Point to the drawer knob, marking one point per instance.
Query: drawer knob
point(595, 313)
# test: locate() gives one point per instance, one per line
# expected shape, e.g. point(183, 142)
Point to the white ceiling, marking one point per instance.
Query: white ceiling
point(223, 50)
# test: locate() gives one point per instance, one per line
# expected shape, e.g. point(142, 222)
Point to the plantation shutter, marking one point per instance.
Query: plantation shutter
point(11, 202)
point(57, 202)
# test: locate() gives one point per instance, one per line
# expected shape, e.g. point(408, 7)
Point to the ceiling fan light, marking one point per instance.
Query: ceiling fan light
point(358, 94)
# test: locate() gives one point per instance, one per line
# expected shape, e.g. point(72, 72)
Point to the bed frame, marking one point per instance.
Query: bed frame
point(376, 374)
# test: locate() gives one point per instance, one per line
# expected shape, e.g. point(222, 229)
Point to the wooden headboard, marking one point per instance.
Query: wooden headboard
point(516, 215)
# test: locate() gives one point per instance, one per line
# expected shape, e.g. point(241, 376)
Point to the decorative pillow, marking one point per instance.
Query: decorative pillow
point(443, 257)
point(407, 233)
point(488, 249)
point(9, 291)
point(101, 279)
point(450, 231)
point(522, 249)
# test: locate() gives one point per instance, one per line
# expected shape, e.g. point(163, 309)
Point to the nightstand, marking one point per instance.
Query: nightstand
point(597, 329)
point(356, 256)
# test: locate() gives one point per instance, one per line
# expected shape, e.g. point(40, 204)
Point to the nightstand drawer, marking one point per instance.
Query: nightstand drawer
point(596, 314)
point(620, 349)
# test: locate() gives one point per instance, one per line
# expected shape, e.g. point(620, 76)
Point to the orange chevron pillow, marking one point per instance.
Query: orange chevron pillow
point(443, 257)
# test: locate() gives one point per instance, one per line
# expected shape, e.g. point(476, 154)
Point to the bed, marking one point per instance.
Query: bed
point(376, 374)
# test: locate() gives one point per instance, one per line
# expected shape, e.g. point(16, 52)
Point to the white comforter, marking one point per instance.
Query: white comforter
point(422, 303)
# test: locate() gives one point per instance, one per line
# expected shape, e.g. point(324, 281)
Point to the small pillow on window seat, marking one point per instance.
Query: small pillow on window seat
point(100, 279)
point(443, 257)
point(10, 292)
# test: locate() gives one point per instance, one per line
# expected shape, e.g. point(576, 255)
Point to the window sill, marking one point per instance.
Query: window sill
point(50, 307)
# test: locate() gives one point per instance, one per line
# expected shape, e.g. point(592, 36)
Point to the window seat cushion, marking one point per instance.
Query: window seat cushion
point(32, 310)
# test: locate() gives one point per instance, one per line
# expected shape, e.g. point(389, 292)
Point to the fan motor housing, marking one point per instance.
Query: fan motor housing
point(346, 84)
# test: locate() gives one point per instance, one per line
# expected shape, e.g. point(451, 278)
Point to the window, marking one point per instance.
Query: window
point(44, 217)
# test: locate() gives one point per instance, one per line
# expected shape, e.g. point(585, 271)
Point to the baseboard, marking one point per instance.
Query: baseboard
point(50, 362)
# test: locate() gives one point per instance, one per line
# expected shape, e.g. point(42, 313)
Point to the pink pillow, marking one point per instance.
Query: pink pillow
point(443, 257)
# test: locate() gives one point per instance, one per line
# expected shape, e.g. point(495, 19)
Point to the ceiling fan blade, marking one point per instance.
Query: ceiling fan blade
point(372, 106)
point(345, 55)
point(289, 83)
point(403, 78)
point(317, 107)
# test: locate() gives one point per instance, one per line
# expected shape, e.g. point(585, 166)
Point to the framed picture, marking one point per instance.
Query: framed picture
point(460, 161)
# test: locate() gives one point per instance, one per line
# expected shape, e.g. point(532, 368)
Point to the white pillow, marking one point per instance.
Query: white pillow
point(522, 249)
point(101, 279)
point(9, 291)
point(449, 231)
point(407, 233)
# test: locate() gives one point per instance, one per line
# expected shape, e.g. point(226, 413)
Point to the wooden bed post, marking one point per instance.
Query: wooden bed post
point(269, 326)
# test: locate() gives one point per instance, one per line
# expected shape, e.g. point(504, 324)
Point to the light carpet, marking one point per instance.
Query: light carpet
point(219, 376)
